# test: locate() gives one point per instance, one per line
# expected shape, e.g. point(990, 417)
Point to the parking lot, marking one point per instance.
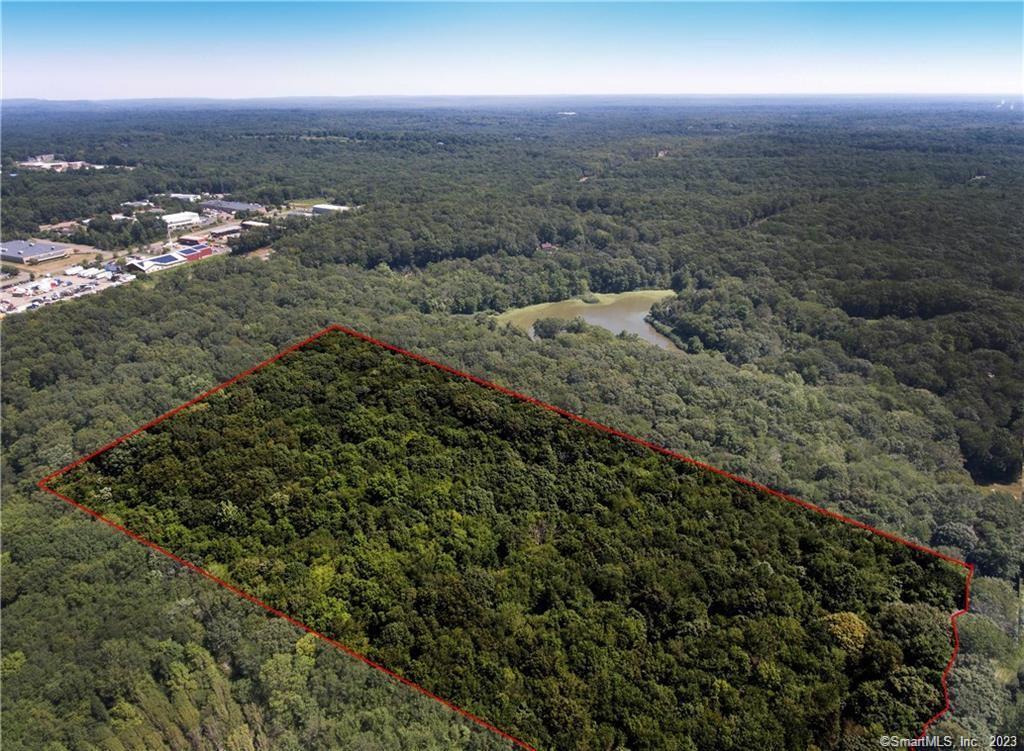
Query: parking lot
point(52, 283)
point(47, 290)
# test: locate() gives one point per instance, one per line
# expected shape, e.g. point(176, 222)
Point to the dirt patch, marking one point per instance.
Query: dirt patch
point(1016, 489)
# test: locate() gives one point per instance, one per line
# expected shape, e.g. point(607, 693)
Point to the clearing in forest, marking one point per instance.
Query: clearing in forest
point(577, 587)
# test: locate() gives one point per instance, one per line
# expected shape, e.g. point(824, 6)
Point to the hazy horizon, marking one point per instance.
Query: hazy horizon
point(99, 51)
point(568, 96)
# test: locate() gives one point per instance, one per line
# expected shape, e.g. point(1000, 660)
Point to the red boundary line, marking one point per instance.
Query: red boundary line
point(43, 484)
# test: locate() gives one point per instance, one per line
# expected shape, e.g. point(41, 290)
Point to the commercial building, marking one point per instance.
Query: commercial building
point(250, 224)
point(196, 253)
point(180, 220)
point(329, 208)
point(30, 251)
point(156, 263)
point(57, 165)
point(230, 207)
point(228, 231)
point(168, 260)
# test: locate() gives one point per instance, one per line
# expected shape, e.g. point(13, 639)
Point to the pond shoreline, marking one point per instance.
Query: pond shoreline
point(612, 311)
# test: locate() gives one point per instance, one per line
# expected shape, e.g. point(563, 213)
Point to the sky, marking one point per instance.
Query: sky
point(98, 50)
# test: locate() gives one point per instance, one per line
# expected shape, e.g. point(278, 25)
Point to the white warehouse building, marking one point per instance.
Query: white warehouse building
point(329, 208)
point(181, 220)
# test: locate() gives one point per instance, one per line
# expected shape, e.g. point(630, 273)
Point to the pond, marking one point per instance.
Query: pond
point(622, 311)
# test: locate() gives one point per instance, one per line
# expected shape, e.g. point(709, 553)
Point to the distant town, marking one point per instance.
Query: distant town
point(52, 163)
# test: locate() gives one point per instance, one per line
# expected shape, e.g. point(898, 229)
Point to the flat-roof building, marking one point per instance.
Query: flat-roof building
point(180, 220)
point(329, 208)
point(168, 260)
point(30, 251)
point(230, 207)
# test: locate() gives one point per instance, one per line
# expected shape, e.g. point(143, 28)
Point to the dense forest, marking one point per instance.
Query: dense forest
point(110, 646)
point(579, 590)
point(849, 280)
point(856, 246)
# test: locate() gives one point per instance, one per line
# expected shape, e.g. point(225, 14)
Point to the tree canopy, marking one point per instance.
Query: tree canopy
point(574, 588)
